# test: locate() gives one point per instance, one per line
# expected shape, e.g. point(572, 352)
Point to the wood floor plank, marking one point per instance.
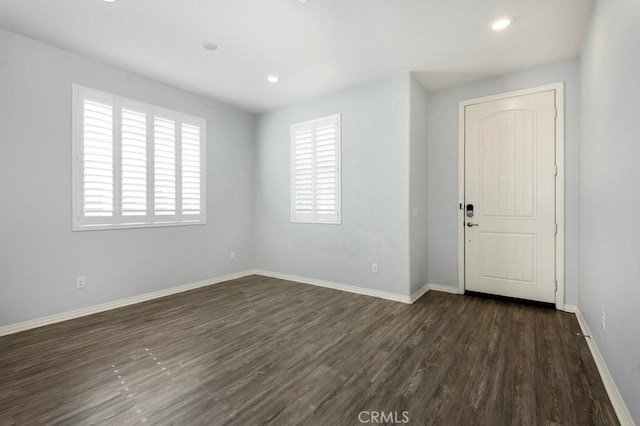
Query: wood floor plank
point(261, 350)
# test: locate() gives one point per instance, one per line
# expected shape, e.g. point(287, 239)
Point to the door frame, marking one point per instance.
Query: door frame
point(559, 152)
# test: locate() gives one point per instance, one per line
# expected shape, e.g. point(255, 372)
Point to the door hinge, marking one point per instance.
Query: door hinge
point(556, 169)
point(556, 230)
point(555, 113)
point(556, 285)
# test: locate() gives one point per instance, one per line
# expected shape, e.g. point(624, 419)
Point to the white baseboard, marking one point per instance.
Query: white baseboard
point(433, 287)
point(337, 286)
point(624, 416)
point(419, 293)
point(444, 288)
point(360, 290)
point(90, 310)
point(572, 309)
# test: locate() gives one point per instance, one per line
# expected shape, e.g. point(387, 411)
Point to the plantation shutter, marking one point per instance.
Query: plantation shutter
point(326, 171)
point(134, 164)
point(97, 152)
point(302, 173)
point(315, 171)
point(134, 161)
point(191, 169)
point(164, 149)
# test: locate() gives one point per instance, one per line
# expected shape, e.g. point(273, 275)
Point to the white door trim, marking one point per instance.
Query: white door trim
point(559, 89)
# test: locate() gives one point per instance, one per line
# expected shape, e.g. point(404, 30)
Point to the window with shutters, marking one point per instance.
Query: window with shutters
point(315, 171)
point(135, 165)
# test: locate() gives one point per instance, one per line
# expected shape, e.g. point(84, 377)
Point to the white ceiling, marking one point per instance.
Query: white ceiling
point(315, 47)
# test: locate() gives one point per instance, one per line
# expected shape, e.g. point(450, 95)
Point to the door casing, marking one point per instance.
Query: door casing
point(559, 153)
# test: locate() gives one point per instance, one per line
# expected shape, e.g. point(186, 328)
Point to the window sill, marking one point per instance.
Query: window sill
point(102, 227)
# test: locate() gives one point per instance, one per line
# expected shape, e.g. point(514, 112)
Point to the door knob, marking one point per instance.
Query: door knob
point(469, 224)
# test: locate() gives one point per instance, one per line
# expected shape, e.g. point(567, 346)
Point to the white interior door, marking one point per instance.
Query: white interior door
point(509, 190)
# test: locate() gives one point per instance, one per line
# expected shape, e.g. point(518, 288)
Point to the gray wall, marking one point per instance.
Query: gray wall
point(609, 186)
point(418, 273)
point(375, 191)
point(39, 255)
point(443, 167)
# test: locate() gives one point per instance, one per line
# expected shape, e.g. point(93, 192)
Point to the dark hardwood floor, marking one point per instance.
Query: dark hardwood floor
point(261, 350)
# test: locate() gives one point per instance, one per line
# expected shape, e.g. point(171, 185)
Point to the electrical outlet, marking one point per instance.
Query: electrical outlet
point(232, 256)
point(602, 320)
point(80, 282)
point(374, 268)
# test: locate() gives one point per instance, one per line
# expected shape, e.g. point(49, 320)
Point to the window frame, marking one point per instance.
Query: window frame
point(150, 219)
point(314, 123)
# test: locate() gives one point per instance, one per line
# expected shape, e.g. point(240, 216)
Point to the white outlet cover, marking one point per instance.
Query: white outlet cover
point(80, 282)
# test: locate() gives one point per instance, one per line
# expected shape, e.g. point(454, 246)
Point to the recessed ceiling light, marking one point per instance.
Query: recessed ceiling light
point(303, 1)
point(110, 1)
point(209, 45)
point(272, 78)
point(500, 23)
